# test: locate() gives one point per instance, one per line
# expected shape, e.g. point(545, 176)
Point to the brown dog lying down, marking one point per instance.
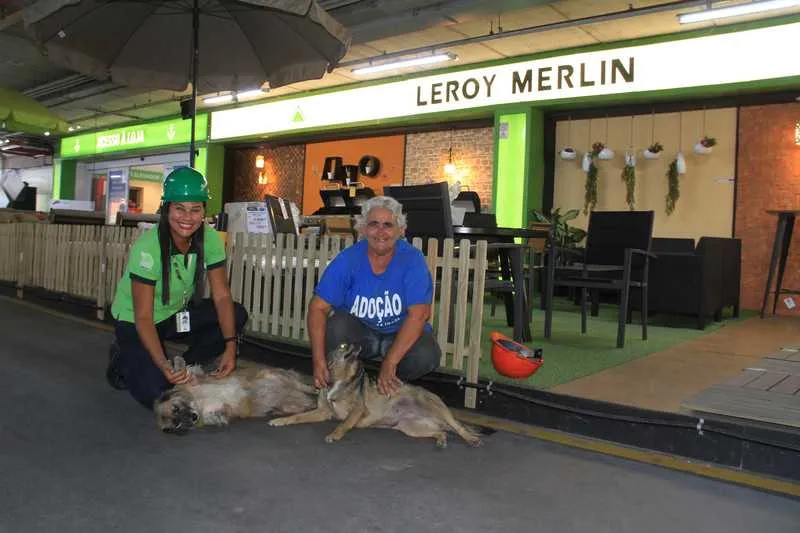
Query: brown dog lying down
point(252, 390)
point(354, 398)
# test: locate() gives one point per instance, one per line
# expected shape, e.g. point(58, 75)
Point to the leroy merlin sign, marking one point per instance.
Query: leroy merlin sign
point(153, 134)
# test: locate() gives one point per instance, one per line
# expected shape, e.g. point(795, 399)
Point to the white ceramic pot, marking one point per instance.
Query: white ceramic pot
point(568, 154)
point(630, 158)
point(606, 154)
point(680, 163)
point(587, 162)
point(651, 155)
point(700, 149)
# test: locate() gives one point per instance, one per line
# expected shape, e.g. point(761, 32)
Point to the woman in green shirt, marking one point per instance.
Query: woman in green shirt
point(160, 296)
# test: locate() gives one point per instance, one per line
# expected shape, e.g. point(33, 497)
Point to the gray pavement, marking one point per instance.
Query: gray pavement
point(78, 456)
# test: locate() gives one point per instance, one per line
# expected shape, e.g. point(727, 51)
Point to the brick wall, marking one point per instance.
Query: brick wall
point(768, 177)
point(473, 155)
point(283, 168)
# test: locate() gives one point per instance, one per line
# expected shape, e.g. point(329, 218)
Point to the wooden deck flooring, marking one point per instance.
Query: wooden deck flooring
point(766, 392)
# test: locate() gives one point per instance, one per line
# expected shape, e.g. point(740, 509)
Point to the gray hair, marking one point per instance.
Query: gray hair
point(384, 202)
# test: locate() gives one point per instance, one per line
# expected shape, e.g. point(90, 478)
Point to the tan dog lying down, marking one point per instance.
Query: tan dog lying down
point(354, 398)
point(252, 390)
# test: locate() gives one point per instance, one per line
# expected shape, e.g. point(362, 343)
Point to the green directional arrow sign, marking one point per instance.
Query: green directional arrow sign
point(149, 135)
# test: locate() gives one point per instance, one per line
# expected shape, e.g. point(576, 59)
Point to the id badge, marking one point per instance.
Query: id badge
point(182, 322)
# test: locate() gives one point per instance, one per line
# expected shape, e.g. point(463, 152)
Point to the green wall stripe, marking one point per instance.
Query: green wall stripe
point(214, 170)
point(66, 188)
point(509, 196)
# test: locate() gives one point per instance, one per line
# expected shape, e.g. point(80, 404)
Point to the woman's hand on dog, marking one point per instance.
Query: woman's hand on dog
point(176, 378)
point(227, 362)
point(388, 382)
point(322, 375)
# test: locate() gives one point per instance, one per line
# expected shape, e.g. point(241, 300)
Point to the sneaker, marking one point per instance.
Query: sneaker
point(114, 372)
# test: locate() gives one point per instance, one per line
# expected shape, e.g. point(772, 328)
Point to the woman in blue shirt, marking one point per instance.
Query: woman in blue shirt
point(378, 293)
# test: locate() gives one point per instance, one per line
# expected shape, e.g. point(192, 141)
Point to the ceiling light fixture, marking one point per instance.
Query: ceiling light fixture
point(405, 63)
point(219, 99)
point(249, 94)
point(737, 10)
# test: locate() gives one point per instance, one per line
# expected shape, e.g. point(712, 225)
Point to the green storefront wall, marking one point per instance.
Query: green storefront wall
point(519, 158)
point(135, 140)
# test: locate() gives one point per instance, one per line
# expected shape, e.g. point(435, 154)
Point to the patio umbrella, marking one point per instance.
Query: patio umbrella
point(21, 113)
point(214, 45)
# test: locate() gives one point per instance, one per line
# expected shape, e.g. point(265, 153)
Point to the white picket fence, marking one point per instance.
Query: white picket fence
point(272, 276)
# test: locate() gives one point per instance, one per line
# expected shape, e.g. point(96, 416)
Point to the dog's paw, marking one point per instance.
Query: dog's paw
point(331, 438)
point(475, 443)
point(277, 422)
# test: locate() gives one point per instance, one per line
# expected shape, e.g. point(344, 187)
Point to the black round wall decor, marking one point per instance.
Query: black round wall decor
point(369, 165)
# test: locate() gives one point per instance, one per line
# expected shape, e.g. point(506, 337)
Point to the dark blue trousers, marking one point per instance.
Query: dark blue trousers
point(143, 379)
point(422, 358)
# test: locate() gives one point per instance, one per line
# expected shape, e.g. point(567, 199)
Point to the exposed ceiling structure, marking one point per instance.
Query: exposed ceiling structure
point(474, 30)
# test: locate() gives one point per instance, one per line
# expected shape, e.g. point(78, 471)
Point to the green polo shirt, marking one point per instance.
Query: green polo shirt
point(144, 265)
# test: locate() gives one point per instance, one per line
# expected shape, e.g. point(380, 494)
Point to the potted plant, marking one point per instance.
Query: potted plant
point(705, 145)
point(629, 177)
point(566, 236)
point(653, 151)
point(673, 183)
point(601, 151)
point(568, 153)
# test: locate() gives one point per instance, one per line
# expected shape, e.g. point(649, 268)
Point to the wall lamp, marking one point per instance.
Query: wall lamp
point(262, 178)
point(737, 10)
point(405, 63)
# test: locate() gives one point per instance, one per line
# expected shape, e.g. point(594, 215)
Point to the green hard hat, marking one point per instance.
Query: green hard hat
point(185, 184)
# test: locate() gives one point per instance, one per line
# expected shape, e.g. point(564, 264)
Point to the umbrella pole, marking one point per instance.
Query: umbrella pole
point(195, 58)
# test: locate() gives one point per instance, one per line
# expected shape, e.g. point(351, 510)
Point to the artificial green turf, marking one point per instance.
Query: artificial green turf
point(568, 355)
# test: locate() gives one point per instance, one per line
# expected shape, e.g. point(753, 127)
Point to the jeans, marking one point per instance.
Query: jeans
point(423, 356)
point(143, 378)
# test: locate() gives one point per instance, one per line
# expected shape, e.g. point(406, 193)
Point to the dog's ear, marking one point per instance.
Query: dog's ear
point(166, 396)
point(354, 350)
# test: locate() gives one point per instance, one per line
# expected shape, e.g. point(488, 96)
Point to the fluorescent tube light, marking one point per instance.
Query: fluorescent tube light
point(249, 94)
point(405, 63)
point(221, 99)
point(736, 10)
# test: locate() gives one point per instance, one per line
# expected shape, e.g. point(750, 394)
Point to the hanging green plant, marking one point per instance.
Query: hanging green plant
point(674, 191)
point(590, 198)
point(629, 177)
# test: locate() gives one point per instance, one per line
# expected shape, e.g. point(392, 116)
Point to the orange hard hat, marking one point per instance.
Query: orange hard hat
point(512, 359)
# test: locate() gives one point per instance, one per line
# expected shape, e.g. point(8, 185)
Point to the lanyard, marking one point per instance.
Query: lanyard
point(180, 278)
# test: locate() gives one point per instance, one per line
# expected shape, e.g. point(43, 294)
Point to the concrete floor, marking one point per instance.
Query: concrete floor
point(78, 456)
point(662, 380)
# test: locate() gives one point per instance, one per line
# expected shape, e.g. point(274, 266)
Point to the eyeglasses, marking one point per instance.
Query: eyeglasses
point(375, 224)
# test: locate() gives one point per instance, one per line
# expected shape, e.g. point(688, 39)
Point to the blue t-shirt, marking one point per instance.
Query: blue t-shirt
point(380, 301)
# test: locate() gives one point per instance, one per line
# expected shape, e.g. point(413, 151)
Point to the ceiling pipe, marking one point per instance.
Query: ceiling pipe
point(594, 19)
point(121, 111)
point(59, 85)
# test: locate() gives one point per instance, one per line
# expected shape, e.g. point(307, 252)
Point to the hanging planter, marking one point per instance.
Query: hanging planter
point(629, 178)
point(605, 154)
point(705, 145)
point(586, 161)
point(601, 151)
point(680, 163)
point(673, 183)
point(568, 154)
point(653, 151)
